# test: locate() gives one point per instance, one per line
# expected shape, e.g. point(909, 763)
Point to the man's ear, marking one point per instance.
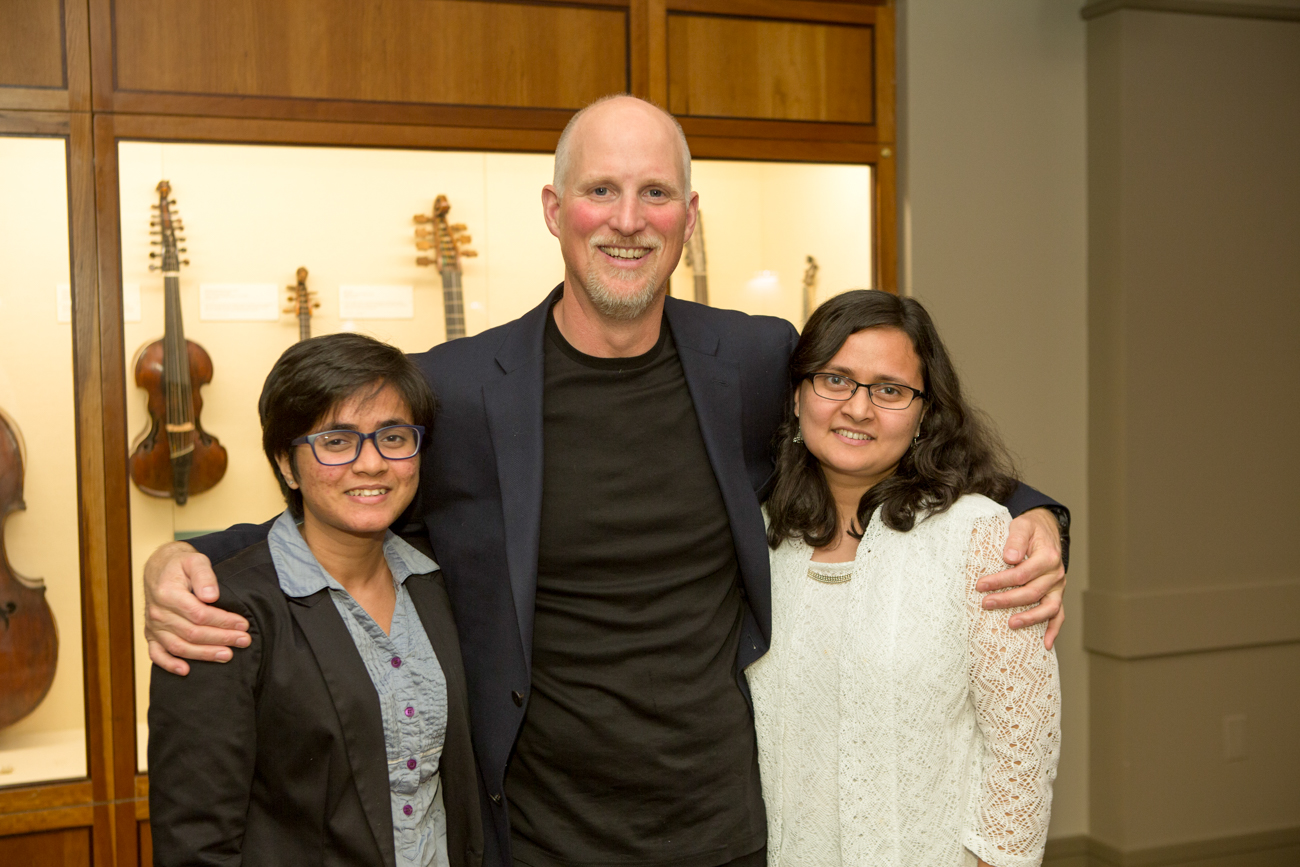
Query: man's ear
point(692, 214)
point(286, 470)
point(551, 208)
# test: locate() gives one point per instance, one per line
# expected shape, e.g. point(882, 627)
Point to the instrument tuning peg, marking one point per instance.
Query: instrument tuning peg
point(290, 309)
point(421, 218)
point(463, 239)
point(425, 260)
point(423, 232)
point(182, 250)
point(185, 261)
point(154, 254)
point(315, 305)
point(469, 254)
point(457, 227)
point(423, 245)
point(155, 268)
point(154, 206)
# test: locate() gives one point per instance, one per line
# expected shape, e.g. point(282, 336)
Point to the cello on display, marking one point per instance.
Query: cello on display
point(29, 641)
point(174, 457)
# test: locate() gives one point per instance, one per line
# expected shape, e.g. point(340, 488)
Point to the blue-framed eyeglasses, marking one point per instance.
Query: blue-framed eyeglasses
point(886, 395)
point(334, 448)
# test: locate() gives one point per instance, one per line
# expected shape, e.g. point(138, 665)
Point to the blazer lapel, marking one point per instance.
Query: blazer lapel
point(357, 705)
point(714, 384)
point(514, 411)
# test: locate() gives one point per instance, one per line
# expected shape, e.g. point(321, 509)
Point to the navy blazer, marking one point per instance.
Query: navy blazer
point(481, 495)
point(278, 756)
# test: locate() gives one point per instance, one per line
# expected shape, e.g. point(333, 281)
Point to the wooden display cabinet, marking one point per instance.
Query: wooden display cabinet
point(776, 80)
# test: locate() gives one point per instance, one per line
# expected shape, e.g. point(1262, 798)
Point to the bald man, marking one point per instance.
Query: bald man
point(592, 493)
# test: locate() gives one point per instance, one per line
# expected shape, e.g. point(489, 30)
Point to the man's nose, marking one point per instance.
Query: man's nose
point(629, 216)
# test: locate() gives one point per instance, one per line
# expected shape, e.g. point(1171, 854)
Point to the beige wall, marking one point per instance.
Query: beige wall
point(992, 141)
point(1194, 320)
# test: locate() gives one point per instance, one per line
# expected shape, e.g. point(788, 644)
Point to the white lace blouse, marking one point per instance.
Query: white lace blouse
point(898, 722)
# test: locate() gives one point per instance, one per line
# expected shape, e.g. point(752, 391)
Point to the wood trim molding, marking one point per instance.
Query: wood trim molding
point(1174, 622)
point(783, 10)
point(1287, 10)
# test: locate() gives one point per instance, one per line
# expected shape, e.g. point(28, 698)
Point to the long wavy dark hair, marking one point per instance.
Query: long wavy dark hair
point(957, 453)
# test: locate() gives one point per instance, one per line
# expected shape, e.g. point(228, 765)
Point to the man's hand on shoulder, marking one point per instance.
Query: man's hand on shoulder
point(1037, 575)
point(179, 586)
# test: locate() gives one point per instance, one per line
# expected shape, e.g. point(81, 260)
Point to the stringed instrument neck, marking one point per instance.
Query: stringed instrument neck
point(448, 240)
point(698, 262)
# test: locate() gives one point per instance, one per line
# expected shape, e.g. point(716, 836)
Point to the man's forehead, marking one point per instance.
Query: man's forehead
point(610, 153)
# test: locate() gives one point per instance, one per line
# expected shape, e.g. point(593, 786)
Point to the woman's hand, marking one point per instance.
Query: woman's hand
point(1037, 575)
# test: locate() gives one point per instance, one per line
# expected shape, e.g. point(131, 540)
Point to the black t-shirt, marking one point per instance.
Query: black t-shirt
point(638, 747)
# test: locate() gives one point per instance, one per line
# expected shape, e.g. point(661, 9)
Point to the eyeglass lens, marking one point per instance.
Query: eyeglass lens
point(344, 446)
point(883, 394)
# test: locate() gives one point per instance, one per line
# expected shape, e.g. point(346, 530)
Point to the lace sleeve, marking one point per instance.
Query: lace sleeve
point(1015, 687)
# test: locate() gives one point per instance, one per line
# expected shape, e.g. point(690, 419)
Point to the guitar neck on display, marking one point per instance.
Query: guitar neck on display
point(447, 241)
point(302, 302)
point(809, 288)
point(696, 261)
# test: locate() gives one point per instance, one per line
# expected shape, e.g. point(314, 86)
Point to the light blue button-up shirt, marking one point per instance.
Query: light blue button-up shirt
point(406, 674)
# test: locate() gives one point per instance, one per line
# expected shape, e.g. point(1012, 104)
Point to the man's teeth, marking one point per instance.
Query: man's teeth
point(853, 435)
point(367, 492)
point(625, 252)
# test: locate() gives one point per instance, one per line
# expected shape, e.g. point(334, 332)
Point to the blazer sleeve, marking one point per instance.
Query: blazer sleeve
point(1024, 498)
point(202, 751)
point(224, 544)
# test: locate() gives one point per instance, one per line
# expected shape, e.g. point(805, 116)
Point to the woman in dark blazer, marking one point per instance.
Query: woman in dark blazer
point(340, 736)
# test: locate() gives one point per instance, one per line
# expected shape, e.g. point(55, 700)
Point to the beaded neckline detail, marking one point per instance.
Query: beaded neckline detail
point(830, 573)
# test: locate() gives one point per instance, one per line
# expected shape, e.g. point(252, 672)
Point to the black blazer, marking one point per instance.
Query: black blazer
point(278, 756)
point(481, 495)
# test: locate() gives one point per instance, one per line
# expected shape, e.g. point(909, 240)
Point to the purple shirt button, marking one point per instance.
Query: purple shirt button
point(408, 810)
point(410, 763)
point(410, 711)
point(397, 661)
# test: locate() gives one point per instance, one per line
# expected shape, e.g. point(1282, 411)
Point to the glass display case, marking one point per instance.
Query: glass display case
point(42, 695)
point(357, 220)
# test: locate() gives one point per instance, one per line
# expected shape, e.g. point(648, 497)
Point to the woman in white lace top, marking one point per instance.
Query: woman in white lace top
point(898, 722)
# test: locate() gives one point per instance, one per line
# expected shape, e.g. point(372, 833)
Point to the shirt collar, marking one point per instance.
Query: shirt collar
point(301, 574)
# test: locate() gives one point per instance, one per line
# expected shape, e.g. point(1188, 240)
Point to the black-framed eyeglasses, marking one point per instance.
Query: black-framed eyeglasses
point(334, 448)
point(886, 395)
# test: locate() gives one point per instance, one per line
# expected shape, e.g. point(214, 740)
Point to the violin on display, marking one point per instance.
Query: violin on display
point(175, 457)
point(810, 288)
point(448, 240)
point(29, 641)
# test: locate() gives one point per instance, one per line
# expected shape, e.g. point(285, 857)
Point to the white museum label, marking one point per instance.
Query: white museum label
point(239, 302)
point(130, 302)
point(376, 302)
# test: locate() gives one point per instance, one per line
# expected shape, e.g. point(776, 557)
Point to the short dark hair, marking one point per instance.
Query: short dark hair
point(313, 376)
point(957, 453)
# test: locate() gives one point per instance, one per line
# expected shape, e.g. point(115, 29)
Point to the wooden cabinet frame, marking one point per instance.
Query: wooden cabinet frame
point(93, 115)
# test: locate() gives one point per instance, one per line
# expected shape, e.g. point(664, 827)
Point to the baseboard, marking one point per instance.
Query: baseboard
point(1279, 848)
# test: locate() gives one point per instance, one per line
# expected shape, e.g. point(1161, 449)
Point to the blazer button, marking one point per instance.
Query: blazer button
point(496, 797)
point(518, 697)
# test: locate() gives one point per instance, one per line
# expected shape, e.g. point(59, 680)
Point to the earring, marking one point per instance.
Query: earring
point(798, 437)
point(916, 439)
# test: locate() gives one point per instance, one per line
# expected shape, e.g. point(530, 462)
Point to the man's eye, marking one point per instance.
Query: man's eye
point(600, 191)
point(656, 194)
